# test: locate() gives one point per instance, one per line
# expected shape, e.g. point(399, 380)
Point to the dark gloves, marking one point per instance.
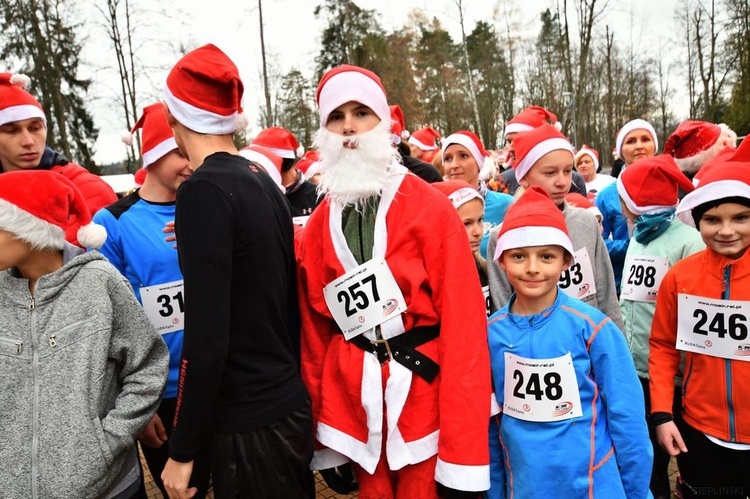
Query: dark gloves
point(449, 493)
point(340, 479)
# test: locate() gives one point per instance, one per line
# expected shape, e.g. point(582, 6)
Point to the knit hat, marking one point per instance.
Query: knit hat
point(652, 184)
point(531, 146)
point(281, 141)
point(265, 157)
point(590, 152)
point(425, 139)
point(157, 137)
point(636, 124)
point(16, 104)
point(471, 142)
point(307, 160)
point(39, 206)
point(530, 118)
point(348, 83)
point(204, 92)
point(459, 192)
point(580, 201)
point(533, 220)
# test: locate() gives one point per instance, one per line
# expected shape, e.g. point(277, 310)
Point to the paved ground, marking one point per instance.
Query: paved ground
point(324, 492)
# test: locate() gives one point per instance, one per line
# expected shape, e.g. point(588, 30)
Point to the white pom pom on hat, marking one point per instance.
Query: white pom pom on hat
point(20, 80)
point(16, 104)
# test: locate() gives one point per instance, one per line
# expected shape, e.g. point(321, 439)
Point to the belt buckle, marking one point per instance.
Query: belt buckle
point(387, 349)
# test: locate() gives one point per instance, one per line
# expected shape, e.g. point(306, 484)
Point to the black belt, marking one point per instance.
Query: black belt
point(403, 350)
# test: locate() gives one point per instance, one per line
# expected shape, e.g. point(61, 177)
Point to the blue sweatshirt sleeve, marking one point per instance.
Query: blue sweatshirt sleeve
point(497, 466)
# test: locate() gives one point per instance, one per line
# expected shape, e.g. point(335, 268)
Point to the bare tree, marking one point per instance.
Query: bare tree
point(472, 87)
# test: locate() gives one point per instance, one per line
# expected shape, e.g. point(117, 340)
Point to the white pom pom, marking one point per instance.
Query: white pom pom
point(405, 134)
point(92, 236)
point(241, 122)
point(20, 80)
point(558, 126)
point(300, 151)
point(488, 170)
point(127, 138)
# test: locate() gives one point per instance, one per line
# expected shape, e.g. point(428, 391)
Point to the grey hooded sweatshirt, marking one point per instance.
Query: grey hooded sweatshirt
point(82, 372)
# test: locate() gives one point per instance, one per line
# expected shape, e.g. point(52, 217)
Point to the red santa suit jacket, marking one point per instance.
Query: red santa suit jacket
point(425, 246)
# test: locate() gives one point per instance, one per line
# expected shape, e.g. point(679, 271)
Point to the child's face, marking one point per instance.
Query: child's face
point(472, 215)
point(533, 271)
point(553, 172)
point(12, 250)
point(726, 229)
point(170, 170)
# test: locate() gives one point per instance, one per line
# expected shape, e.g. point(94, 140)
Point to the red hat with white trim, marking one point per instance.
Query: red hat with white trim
point(531, 146)
point(281, 141)
point(157, 139)
point(425, 139)
point(40, 206)
point(530, 118)
point(585, 150)
point(637, 124)
point(533, 220)
point(470, 141)
point(348, 83)
point(398, 124)
point(691, 138)
point(307, 160)
point(265, 157)
point(652, 184)
point(459, 192)
point(580, 201)
point(16, 104)
point(204, 92)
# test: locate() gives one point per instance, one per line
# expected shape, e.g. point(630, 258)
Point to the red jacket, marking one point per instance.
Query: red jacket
point(715, 390)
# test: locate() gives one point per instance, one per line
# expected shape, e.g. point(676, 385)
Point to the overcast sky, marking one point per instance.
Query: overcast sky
point(293, 39)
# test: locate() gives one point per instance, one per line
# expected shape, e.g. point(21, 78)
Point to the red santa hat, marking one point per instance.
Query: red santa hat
point(348, 83)
point(693, 143)
point(530, 118)
point(16, 104)
point(636, 124)
point(470, 141)
point(204, 92)
point(533, 220)
point(530, 146)
point(281, 141)
point(140, 177)
point(459, 192)
point(652, 184)
point(425, 139)
point(157, 139)
point(267, 158)
point(39, 206)
point(585, 150)
point(580, 201)
point(398, 124)
point(307, 160)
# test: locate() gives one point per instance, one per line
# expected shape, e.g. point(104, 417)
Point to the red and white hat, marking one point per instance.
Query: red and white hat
point(530, 146)
point(652, 184)
point(459, 192)
point(348, 83)
point(636, 124)
point(40, 206)
point(267, 158)
point(307, 161)
point(204, 92)
point(530, 118)
point(398, 124)
point(425, 139)
point(470, 141)
point(533, 220)
point(157, 139)
point(281, 141)
point(691, 138)
point(578, 200)
point(16, 104)
point(585, 150)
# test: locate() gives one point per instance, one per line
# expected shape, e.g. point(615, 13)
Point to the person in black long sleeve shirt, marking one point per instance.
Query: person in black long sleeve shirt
point(239, 385)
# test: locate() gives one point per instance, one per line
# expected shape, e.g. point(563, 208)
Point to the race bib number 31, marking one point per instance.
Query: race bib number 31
point(642, 276)
point(364, 298)
point(164, 304)
point(578, 279)
point(713, 327)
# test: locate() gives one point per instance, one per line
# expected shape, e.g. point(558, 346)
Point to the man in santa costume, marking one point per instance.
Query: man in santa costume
point(394, 335)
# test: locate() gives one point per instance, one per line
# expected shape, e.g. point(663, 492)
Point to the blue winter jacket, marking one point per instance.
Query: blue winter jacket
point(605, 452)
point(614, 229)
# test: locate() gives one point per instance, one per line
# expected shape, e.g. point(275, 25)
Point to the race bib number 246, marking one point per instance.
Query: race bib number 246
point(713, 327)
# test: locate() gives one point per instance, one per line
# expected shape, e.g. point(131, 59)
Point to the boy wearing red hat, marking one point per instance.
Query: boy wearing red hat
point(701, 313)
point(239, 387)
point(423, 144)
point(83, 369)
point(137, 248)
point(23, 133)
point(394, 348)
point(572, 423)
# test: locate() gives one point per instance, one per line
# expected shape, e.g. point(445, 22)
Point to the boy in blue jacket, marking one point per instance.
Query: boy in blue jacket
point(572, 421)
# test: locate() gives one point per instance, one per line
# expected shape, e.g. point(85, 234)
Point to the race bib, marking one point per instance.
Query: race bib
point(364, 298)
point(165, 306)
point(541, 390)
point(713, 327)
point(487, 302)
point(644, 275)
point(578, 279)
point(301, 221)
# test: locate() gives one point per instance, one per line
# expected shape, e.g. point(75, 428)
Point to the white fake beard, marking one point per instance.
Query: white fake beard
point(359, 170)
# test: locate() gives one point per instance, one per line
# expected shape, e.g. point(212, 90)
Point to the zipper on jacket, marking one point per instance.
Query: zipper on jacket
point(35, 402)
point(13, 343)
point(728, 365)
